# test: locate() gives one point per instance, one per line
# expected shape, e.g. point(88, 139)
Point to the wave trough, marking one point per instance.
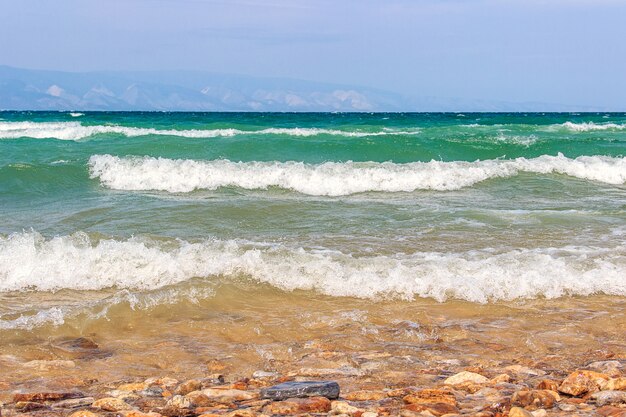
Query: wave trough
point(335, 178)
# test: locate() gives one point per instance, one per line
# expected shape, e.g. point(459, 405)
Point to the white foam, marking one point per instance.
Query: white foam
point(335, 178)
point(590, 126)
point(30, 262)
point(77, 114)
point(77, 131)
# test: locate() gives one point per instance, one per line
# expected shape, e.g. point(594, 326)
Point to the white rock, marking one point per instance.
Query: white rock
point(465, 377)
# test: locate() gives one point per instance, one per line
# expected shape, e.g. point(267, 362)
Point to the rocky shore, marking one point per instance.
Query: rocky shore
point(597, 388)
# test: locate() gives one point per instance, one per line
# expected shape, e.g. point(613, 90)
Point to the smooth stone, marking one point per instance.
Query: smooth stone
point(342, 407)
point(609, 397)
point(519, 412)
point(466, 377)
point(293, 389)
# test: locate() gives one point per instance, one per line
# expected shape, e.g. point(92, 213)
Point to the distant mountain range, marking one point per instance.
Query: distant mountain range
point(23, 89)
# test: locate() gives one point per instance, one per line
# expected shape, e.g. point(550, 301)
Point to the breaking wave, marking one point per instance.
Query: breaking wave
point(335, 178)
point(77, 131)
point(29, 262)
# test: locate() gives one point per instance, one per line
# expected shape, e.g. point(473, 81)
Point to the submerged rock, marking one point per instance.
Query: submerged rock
point(465, 378)
point(293, 389)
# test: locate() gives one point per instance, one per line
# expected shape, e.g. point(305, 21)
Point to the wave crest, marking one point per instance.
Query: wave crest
point(77, 131)
point(335, 178)
point(30, 262)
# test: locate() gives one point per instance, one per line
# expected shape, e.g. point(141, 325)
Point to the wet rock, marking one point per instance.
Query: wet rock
point(298, 406)
point(81, 348)
point(75, 403)
point(610, 411)
point(534, 399)
point(519, 412)
point(465, 377)
point(46, 396)
point(567, 407)
point(111, 404)
point(83, 413)
point(430, 396)
point(519, 369)
point(436, 409)
point(365, 395)
point(609, 397)
point(178, 401)
point(342, 407)
point(615, 384)
point(133, 387)
point(293, 389)
point(26, 406)
point(135, 413)
point(581, 382)
point(229, 394)
point(198, 399)
point(548, 384)
point(246, 412)
point(611, 368)
point(188, 386)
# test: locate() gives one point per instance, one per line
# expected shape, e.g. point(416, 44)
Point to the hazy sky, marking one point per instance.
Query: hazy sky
point(570, 52)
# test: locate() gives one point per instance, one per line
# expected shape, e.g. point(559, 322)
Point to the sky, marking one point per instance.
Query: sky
point(554, 51)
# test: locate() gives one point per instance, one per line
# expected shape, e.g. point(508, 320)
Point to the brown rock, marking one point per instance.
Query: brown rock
point(83, 413)
point(46, 396)
point(465, 377)
point(134, 387)
point(111, 404)
point(548, 384)
point(534, 399)
point(299, 406)
point(400, 392)
point(581, 382)
point(26, 406)
point(231, 394)
point(615, 384)
point(427, 396)
point(610, 411)
point(199, 399)
point(244, 412)
point(437, 409)
point(519, 412)
point(188, 386)
point(135, 413)
point(365, 395)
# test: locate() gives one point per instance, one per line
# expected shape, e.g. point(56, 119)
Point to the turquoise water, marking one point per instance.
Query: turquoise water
point(480, 207)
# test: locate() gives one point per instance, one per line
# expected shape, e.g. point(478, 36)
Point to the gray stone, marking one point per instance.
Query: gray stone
point(75, 403)
point(293, 389)
point(609, 397)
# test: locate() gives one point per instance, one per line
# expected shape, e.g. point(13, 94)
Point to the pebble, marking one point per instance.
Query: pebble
point(293, 389)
